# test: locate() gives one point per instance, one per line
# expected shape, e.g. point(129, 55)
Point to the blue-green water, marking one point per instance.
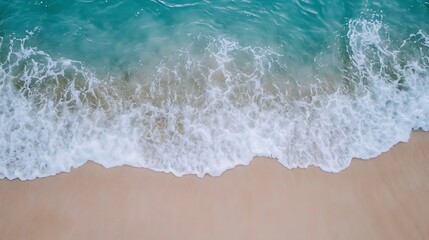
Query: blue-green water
point(202, 86)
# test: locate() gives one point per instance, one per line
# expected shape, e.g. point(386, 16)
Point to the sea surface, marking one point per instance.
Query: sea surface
point(199, 87)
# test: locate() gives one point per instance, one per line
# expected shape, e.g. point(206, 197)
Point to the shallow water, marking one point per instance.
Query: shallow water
point(202, 86)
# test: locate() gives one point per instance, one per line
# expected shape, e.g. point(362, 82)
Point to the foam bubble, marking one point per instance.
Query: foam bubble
point(205, 111)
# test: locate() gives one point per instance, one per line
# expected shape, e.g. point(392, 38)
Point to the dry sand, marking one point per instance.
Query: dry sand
point(384, 198)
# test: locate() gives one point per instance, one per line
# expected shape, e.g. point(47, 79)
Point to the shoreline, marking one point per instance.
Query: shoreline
point(380, 198)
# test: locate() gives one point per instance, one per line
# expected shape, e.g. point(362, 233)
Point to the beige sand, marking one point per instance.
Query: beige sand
point(385, 198)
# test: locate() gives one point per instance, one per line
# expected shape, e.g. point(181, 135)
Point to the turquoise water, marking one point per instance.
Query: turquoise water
point(198, 87)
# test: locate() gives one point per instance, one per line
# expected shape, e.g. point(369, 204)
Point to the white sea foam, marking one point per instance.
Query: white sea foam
point(205, 113)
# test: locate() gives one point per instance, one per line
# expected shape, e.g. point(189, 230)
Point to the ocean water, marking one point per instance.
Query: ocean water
point(199, 87)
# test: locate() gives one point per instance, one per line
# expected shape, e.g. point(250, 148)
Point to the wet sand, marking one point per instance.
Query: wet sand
point(384, 198)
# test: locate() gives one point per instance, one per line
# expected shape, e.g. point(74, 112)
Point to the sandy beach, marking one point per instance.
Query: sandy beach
point(384, 198)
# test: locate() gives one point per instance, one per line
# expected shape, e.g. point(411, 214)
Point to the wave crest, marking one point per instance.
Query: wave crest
point(205, 111)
